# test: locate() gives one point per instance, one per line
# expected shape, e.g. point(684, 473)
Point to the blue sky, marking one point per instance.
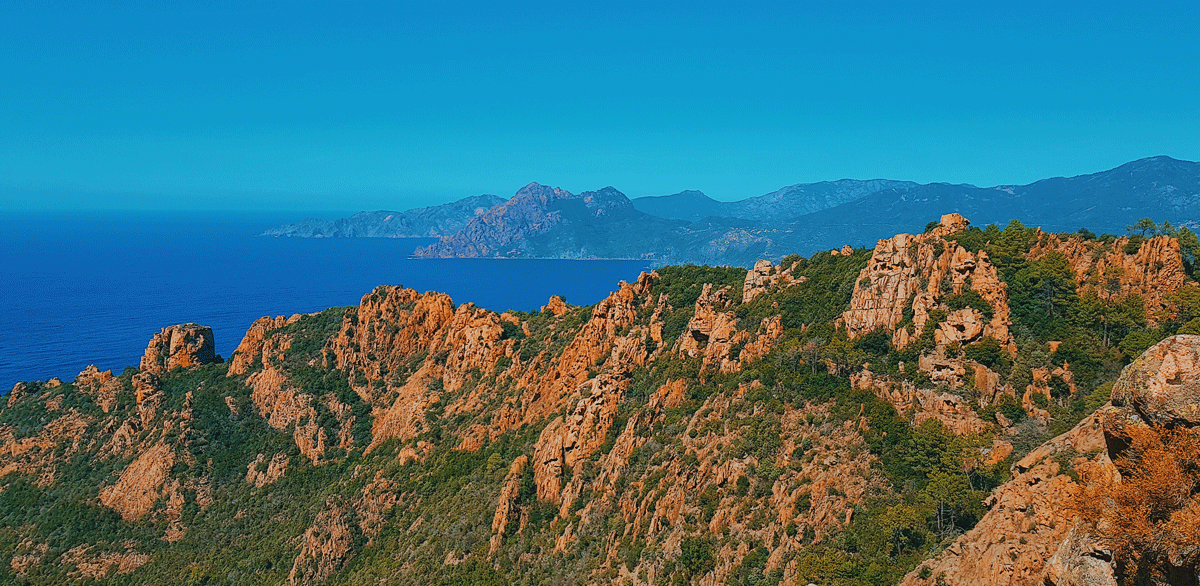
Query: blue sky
point(350, 105)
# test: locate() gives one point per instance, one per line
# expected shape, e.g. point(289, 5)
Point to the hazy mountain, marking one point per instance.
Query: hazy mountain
point(783, 204)
point(424, 222)
point(544, 222)
point(805, 198)
point(690, 227)
point(686, 205)
point(1161, 188)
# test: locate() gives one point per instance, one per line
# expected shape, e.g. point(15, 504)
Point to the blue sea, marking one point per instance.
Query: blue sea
point(79, 289)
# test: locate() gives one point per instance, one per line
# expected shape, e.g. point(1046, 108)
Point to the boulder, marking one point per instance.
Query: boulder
point(1163, 384)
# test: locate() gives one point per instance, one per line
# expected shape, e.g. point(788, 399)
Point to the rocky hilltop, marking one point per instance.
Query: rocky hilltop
point(955, 407)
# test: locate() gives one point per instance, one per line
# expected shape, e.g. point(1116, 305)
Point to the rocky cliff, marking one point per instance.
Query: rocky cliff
point(849, 418)
point(1151, 270)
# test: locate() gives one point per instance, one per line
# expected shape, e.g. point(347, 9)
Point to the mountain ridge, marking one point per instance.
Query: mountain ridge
point(431, 221)
point(804, 218)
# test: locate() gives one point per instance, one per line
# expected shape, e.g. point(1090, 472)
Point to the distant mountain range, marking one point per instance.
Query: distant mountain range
point(690, 227)
point(785, 204)
point(433, 221)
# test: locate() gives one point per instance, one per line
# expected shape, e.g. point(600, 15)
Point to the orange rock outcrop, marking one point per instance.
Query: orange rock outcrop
point(324, 547)
point(140, 484)
point(1106, 270)
point(179, 346)
point(917, 274)
point(253, 350)
point(1035, 531)
point(102, 385)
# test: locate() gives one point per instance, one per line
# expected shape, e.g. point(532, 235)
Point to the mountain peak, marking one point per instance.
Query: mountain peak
point(535, 189)
point(1156, 162)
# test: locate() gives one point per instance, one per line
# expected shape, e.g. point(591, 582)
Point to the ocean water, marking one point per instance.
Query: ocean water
point(79, 289)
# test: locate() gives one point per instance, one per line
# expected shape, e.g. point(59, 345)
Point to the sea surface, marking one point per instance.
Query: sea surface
point(79, 289)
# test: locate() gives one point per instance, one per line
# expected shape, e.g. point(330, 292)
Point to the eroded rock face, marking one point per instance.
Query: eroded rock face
point(324, 547)
point(1028, 518)
point(284, 406)
point(950, 224)
point(1153, 272)
point(376, 499)
point(262, 472)
point(918, 274)
point(140, 484)
point(97, 566)
point(1163, 384)
point(1032, 533)
point(953, 411)
point(102, 385)
point(765, 277)
point(505, 507)
point(712, 330)
point(179, 346)
point(556, 306)
point(1080, 561)
point(253, 350)
point(564, 442)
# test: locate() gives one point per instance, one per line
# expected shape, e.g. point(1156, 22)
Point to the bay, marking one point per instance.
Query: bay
point(92, 288)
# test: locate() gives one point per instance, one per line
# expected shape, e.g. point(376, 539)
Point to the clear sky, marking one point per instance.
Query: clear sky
point(365, 105)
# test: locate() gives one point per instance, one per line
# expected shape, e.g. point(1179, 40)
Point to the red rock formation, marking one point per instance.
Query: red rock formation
point(102, 385)
point(179, 346)
point(1029, 516)
point(140, 484)
point(952, 410)
point(1154, 271)
point(596, 343)
point(32, 454)
point(1035, 531)
point(97, 566)
point(764, 277)
point(1163, 384)
point(262, 472)
point(712, 331)
point(374, 502)
point(556, 306)
point(253, 350)
point(565, 442)
point(28, 554)
point(917, 273)
point(284, 406)
point(324, 547)
point(507, 503)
